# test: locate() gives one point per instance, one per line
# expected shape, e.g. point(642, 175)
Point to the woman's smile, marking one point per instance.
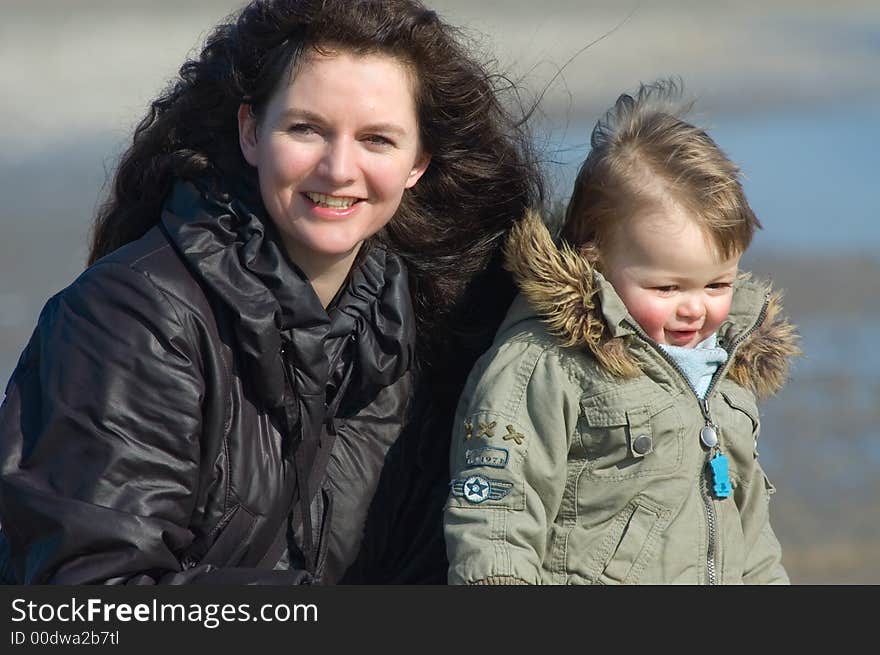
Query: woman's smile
point(331, 202)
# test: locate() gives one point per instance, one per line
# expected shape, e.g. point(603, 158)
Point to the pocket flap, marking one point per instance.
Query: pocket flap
point(743, 401)
point(635, 545)
point(640, 435)
point(613, 407)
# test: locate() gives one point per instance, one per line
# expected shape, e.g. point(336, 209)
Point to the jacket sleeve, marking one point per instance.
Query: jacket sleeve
point(508, 456)
point(763, 564)
point(100, 439)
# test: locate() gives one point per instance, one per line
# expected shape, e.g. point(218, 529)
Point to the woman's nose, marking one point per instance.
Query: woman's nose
point(339, 162)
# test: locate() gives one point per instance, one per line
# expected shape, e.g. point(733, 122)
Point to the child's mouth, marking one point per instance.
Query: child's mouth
point(679, 337)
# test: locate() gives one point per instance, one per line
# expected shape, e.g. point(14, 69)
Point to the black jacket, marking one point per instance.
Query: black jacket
point(161, 420)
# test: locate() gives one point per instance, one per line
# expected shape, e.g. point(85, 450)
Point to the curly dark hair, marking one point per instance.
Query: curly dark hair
point(482, 177)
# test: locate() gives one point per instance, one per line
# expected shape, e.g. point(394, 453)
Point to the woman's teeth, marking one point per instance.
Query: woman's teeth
point(334, 202)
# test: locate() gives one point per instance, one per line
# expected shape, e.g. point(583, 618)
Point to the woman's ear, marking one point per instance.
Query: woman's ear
point(418, 170)
point(247, 133)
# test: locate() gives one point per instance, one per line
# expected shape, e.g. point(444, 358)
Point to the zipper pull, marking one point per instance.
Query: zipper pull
point(718, 469)
point(709, 433)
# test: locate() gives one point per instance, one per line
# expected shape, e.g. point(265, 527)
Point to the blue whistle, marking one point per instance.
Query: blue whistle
point(720, 476)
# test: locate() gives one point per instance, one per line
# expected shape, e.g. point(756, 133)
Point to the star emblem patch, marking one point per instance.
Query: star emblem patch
point(477, 489)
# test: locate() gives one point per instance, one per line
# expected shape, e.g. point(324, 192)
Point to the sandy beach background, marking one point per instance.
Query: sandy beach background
point(791, 89)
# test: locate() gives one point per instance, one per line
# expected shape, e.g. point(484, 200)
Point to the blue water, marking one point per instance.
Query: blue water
point(811, 177)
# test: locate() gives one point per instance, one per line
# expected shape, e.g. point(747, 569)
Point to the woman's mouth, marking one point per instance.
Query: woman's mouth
point(331, 202)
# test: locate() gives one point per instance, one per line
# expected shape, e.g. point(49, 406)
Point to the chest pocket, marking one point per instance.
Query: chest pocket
point(630, 432)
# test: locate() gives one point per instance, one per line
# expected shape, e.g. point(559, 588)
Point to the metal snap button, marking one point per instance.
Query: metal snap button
point(643, 444)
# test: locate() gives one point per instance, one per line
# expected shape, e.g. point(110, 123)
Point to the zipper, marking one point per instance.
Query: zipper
point(711, 577)
point(289, 406)
point(711, 515)
point(291, 441)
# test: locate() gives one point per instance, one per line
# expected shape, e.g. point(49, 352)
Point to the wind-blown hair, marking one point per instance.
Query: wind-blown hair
point(449, 227)
point(643, 153)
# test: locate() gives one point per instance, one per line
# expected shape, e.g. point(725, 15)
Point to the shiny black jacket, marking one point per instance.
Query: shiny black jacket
point(173, 401)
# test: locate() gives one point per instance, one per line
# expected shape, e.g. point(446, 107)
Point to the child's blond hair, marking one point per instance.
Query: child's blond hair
point(643, 153)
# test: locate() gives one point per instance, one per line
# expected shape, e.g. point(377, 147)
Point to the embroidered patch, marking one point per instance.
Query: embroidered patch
point(477, 489)
point(513, 434)
point(488, 456)
point(486, 429)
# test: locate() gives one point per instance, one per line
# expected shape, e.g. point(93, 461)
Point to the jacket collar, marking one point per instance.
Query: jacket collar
point(581, 308)
point(232, 248)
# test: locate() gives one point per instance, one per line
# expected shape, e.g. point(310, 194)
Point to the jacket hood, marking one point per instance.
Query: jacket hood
point(582, 310)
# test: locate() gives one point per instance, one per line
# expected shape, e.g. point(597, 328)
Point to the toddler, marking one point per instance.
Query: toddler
point(610, 433)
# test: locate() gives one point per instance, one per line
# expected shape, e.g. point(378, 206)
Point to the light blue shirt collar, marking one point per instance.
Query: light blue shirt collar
point(699, 363)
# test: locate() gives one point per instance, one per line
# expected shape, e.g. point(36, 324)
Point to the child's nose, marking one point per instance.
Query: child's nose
point(690, 307)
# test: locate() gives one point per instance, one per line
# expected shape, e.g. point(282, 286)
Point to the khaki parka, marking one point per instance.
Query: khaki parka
point(576, 456)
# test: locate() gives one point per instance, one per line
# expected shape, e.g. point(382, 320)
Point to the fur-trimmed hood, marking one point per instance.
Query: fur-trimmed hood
point(581, 309)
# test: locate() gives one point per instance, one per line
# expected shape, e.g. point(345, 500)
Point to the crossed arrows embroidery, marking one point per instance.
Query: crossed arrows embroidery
point(487, 430)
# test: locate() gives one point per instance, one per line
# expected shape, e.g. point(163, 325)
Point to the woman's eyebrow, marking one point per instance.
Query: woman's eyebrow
point(294, 113)
point(301, 114)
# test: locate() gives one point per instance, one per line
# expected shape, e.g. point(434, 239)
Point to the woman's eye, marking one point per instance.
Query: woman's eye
point(302, 128)
point(378, 140)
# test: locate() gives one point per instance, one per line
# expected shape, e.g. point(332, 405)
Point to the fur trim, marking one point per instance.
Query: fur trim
point(561, 287)
point(762, 362)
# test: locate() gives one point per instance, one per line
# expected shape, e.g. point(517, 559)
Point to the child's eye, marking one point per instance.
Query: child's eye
point(665, 289)
point(719, 285)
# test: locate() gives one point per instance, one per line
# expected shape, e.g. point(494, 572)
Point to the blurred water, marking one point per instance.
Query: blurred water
point(811, 176)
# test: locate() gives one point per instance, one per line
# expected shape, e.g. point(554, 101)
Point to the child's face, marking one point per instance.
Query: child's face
point(669, 275)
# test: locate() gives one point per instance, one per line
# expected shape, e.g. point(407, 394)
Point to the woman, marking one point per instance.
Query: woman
point(254, 379)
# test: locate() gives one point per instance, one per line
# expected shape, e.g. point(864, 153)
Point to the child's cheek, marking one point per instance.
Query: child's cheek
point(717, 311)
point(651, 316)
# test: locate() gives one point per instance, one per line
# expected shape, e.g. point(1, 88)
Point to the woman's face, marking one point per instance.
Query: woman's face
point(334, 151)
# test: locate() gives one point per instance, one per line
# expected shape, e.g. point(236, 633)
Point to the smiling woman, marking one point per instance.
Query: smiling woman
point(335, 151)
point(297, 265)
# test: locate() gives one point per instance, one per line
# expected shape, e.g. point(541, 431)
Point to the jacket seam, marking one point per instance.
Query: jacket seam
point(162, 292)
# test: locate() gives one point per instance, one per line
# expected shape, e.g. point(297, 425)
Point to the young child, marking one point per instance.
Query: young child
point(609, 435)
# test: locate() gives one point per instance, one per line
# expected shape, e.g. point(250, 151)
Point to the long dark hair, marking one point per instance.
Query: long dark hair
point(482, 177)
